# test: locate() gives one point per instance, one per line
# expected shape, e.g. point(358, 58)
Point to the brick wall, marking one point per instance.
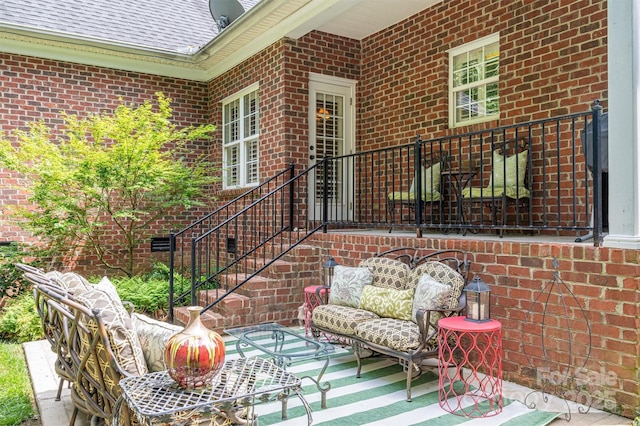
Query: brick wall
point(553, 61)
point(282, 71)
point(521, 276)
point(38, 89)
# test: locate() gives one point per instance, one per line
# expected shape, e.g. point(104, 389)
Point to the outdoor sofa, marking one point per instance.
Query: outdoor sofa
point(391, 303)
point(98, 340)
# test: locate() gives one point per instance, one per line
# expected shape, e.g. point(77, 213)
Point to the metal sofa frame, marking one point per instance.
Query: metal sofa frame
point(428, 326)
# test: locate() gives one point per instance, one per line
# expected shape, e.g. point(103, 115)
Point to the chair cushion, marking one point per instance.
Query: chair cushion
point(443, 274)
point(512, 192)
point(123, 339)
point(387, 273)
point(430, 185)
point(347, 285)
point(387, 302)
point(430, 179)
point(153, 336)
point(340, 319)
point(430, 294)
point(72, 282)
point(509, 172)
point(410, 196)
point(390, 332)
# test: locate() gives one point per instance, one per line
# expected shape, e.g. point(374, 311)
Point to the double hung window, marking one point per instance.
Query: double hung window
point(474, 71)
point(240, 135)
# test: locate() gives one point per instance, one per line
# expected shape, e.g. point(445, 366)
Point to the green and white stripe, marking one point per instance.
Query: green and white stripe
point(377, 398)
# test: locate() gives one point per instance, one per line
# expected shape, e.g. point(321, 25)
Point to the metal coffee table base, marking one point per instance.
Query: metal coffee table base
point(285, 347)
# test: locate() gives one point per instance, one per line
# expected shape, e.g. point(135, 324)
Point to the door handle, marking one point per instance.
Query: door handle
point(312, 157)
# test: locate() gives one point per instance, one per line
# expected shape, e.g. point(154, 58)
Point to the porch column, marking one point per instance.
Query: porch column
point(623, 18)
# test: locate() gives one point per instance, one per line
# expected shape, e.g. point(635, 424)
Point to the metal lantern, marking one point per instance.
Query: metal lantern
point(327, 270)
point(478, 305)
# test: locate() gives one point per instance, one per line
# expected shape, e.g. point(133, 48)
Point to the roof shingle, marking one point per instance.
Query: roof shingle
point(175, 25)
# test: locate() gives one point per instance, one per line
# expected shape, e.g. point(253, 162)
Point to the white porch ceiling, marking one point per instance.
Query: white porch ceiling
point(367, 17)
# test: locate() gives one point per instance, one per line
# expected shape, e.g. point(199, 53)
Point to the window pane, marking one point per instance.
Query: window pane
point(492, 60)
point(251, 114)
point(231, 166)
point(240, 130)
point(475, 73)
point(252, 161)
point(492, 98)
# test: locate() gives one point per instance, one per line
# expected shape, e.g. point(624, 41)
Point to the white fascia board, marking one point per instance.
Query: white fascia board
point(96, 54)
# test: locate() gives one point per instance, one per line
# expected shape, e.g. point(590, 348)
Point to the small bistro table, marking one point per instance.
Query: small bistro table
point(155, 398)
point(474, 389)
point(457, 180)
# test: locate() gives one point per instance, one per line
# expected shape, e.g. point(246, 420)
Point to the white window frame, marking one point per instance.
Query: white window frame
point(243, 141)
point(480, 84)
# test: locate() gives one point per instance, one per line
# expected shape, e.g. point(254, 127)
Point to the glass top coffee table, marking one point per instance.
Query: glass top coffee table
point(285, 346)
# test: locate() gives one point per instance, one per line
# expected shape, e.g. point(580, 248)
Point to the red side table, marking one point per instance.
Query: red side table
point(470, 367)
point(310, 302)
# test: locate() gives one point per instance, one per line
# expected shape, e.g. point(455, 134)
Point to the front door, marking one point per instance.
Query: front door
point(331, 130)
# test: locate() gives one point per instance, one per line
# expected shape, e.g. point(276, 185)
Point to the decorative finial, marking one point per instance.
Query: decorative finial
point(556, 265)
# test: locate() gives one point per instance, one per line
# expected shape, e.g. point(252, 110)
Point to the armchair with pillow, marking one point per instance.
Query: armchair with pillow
point(508, 185)
point(391, 303)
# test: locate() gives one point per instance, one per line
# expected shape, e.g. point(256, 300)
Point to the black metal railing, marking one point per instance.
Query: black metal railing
point(228, 247)
point(481, 179)
point(481, 188)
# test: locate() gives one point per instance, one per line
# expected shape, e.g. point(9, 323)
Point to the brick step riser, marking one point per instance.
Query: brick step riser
point(267, 297)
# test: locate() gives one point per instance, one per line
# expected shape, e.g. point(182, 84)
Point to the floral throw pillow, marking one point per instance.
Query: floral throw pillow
point(153, 336)
point(430, 294)
point(347, 285)
point(387, 302)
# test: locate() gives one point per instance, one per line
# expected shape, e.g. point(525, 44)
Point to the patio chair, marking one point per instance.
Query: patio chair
point(431, 189)
point(508, 184)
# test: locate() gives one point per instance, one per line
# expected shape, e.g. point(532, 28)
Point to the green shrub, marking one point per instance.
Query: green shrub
point(19, 320)
point(148, 295)
point(11, 281)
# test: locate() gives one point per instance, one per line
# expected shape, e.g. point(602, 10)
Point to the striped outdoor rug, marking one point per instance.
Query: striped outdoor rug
point(377, 398)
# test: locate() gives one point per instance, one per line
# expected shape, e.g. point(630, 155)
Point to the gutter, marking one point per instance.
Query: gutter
point(93, 42)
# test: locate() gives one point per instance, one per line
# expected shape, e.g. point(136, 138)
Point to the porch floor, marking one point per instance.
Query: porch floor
point(40, 361)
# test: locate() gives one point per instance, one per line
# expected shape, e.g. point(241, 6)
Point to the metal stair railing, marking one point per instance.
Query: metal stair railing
point(248, 237)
